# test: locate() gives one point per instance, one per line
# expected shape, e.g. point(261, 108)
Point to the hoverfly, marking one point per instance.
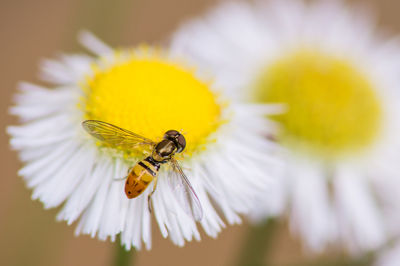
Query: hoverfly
point(146, 170)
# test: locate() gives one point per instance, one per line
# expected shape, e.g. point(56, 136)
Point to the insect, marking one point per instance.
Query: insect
point(145, 171)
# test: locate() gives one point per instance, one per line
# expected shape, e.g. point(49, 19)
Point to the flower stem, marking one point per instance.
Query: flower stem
point(123, 257)
point(366, 260)
point(257, 244)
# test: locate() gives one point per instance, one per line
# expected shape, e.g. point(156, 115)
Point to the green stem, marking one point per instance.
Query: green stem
point(367, 260)
point(257, 244)
point(123, 257)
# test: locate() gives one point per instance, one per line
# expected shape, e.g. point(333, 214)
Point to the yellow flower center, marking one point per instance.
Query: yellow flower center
point(150, 95)
point(332, 108)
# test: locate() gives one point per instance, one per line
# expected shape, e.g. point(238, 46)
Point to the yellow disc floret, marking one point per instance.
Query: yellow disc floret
point(332, 108)
point(150, 95)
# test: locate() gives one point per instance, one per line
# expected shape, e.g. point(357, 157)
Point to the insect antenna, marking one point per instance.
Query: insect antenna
point(183, 132)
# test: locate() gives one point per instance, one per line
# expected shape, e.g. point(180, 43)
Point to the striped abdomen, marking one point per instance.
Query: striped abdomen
point(140, 177)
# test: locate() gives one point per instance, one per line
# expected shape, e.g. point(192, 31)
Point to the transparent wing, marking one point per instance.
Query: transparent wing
point(115, 136)
point(184, 192)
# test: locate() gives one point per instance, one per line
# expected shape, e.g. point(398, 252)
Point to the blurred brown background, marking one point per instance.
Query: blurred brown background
point(31, 30)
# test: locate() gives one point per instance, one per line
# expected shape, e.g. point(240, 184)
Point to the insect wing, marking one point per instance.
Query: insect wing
point(115, 136)
point(184, 192)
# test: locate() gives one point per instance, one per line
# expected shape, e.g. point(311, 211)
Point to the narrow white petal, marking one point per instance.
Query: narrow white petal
point(389, 257)
point(311, 213)
point(358, 213)
point(94, 44)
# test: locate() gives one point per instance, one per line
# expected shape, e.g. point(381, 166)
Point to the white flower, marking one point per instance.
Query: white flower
point(389, 256)
point(148, 91)
point(340, 82)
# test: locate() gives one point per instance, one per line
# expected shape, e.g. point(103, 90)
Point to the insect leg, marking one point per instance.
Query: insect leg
point(129, 170)
point(120, 179)
point(125, 177)
point(151, 194)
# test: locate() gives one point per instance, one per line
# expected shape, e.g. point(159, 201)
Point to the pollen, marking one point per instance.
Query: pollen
point(149, 95)
point(332, 107)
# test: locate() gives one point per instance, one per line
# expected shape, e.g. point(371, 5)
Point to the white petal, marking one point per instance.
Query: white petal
point(311, 213)
point(361, 223)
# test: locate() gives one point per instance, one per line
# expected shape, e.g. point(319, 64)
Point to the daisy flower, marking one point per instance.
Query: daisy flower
point(389, 256)
point(339, 80)
point(148, 91)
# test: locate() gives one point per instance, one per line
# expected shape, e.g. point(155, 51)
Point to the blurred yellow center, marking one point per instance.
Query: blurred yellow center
point(332, 108)
point(149, 96)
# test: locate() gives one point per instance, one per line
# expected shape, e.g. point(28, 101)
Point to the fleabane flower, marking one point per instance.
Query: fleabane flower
point(390, 255)
point(340, 84)
point(147, 91)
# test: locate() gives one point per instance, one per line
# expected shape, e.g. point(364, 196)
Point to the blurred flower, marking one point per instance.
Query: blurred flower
point(341, 84)
point(389, 257)
point(147, 91)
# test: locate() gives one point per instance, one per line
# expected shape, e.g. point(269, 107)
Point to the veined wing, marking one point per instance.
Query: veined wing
point(184, 192)
point(115, 136)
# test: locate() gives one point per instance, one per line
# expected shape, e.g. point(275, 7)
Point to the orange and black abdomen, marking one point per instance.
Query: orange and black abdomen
point(140, 177)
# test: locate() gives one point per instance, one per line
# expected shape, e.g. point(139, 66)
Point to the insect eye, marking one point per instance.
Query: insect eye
point(171, 134)
point(181, 143)
point(177, 138)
